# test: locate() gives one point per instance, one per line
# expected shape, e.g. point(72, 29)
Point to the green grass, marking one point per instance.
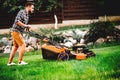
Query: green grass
point(81, 27)
point(105, 44)
point(105, 66)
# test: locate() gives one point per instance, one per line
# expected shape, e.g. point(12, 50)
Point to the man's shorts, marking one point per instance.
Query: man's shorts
point(17, 39)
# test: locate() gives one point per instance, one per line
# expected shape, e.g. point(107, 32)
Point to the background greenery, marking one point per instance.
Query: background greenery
point(11, 6)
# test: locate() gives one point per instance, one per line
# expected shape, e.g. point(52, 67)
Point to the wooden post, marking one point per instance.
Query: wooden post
point(62, 10)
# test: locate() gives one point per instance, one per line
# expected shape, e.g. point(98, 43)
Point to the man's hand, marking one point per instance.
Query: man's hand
point(29, 26)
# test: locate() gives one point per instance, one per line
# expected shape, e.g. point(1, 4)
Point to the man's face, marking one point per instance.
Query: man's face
point(31, 9)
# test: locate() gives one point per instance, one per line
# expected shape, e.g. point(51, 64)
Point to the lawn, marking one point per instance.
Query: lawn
point(105, 66)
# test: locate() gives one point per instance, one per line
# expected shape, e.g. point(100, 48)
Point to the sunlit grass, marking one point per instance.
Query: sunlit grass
point(105, 66)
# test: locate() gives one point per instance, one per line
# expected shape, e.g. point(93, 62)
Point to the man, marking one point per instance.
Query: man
point(17, 29)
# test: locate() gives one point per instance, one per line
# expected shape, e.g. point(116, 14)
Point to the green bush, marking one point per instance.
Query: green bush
point(51, 34)
point(101, 29)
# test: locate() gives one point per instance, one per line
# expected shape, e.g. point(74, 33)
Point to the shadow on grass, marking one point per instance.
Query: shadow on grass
point(6, 73)
point(112, 65)
point(115, 75)
point(3, 77)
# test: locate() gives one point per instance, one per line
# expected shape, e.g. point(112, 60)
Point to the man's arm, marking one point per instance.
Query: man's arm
point(21, 24)
point(19, 18)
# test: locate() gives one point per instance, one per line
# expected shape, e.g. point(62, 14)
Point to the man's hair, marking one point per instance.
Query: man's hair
point(29, 4)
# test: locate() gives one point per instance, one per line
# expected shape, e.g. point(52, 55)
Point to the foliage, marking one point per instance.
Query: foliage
point(53, 5)
point(46, 31)
point(76, 36)
point(38, 4)
point(65, 28)
point(104, 66)
point(2, 44)
point(5, 35)
point(44, 5)
point(11, 5)
point(51, 34)
point(101, 30)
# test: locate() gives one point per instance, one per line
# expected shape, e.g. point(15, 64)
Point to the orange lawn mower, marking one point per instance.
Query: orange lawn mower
point(54, 51)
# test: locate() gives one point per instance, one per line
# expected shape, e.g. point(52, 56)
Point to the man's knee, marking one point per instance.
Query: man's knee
point(24, 45)
point(15, 47)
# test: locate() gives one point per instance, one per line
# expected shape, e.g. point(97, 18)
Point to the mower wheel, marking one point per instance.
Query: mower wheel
point(63, 57)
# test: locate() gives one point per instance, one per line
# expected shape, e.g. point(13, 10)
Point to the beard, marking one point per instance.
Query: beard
point(30, 12)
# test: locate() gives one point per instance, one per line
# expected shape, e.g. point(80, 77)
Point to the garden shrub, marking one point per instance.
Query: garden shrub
point(102, 30)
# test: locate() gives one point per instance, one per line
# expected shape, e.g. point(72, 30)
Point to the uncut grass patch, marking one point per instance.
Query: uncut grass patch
point(102, 67)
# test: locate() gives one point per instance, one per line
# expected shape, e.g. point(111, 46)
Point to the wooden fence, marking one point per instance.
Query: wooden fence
point(79, 9)
point(71, 10)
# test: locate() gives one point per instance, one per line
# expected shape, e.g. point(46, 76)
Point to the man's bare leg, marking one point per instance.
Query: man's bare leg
point(14, 49)
point(21, 52)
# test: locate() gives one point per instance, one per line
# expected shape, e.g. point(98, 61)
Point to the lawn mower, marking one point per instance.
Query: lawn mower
point(52, 50)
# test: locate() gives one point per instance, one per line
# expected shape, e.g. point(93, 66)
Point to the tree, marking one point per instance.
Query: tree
point(10, 6)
